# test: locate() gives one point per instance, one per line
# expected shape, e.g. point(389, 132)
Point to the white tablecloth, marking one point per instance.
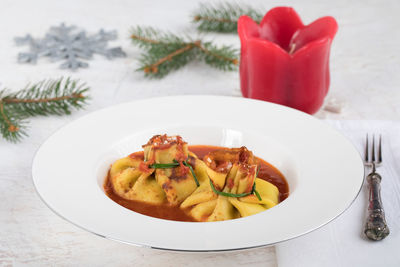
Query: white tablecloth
point(364, 68)
point(342, 242)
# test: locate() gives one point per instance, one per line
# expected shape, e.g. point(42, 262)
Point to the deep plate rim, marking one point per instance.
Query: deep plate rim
point(174, 249)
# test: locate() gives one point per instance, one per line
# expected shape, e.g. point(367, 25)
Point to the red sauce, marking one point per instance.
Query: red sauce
point(267, 172)
point(163, 211)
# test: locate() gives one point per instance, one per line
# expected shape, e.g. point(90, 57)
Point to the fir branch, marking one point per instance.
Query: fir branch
point(148, 37)
point(166, 52)
point(51, 97)
point(223, 17)
point(218, 57)
point(159, 63)
point(12, 126)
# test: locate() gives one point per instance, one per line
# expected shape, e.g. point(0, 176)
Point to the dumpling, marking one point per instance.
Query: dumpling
point(232, 172)
point(203, 201)
point(158, 174)
point(177, 182)
point(132, 161)
point(222, 162)
point(165, 149)
point(269, 194)
point(222, 186)
point(132, 181)
point(250, 204)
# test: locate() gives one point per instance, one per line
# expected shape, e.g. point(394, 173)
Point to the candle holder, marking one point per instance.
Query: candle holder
point(284, 61)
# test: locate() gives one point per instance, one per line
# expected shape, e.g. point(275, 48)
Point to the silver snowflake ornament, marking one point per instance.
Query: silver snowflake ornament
point(68, 44)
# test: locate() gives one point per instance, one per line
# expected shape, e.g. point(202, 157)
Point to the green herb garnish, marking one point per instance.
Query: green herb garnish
point(192, 171)
point(253, 191)
point(254, 186)
point(227, 194)
point(163, 165)
point(173, 165)
point(176, 164)
point(257, 194)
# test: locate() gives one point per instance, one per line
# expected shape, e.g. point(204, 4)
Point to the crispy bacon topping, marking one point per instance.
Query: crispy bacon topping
point(164, 141)
point(222, 160)
point(161, 142)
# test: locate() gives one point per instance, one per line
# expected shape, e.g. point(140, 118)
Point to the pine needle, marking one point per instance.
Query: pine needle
point(49, 97)
point(12, 125)
point(165, 52)
point(223, 17)
point(218, 56)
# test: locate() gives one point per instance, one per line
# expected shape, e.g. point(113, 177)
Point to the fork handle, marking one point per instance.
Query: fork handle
point(375, 226)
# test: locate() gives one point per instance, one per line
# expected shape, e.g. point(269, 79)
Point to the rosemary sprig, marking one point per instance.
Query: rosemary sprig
point(48, 97)
point(223, 17)
point(165, 52)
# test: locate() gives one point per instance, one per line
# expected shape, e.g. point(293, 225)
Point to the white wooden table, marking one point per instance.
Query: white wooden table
point(365, 78)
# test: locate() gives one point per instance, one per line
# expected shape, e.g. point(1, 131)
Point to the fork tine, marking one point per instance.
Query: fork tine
point(366, 149)
point(373, 148)
point(380, 149)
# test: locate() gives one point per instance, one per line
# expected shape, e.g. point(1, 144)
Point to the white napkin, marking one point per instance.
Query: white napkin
point(342, 242)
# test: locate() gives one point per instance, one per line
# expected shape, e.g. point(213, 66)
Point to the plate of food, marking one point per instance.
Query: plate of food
point(198, 173)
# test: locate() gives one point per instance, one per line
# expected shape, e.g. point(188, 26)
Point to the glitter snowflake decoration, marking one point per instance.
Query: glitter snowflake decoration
point(69, 44)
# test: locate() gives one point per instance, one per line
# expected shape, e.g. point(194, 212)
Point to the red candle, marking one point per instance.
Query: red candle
point(284, 61)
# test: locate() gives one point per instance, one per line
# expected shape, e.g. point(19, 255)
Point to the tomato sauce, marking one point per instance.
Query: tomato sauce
point(163, 211)
point(266, 172)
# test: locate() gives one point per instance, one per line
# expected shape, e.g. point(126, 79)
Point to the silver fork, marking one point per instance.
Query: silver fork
point(375, 225)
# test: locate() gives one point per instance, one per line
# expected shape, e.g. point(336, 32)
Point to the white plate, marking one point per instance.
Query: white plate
point(323, 169)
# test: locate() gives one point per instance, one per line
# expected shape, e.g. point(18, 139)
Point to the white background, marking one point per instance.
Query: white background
point(364, 78)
